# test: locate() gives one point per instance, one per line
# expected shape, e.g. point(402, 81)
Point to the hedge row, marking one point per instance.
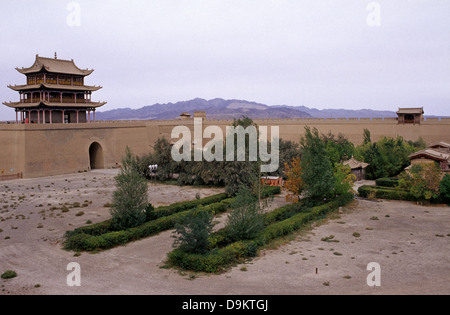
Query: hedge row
point(87, 242)
point(152, 214)
point(387, 182)
point(164, 211)
point(386, 193)
point(220, 258)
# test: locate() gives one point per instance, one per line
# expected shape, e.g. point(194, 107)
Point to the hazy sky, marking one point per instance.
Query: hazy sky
point(325, 54)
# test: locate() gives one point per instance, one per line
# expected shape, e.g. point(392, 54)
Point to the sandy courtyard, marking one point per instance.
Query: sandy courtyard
point(410, 243)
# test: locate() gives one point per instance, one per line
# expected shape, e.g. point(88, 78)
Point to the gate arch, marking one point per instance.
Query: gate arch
point(96, 156)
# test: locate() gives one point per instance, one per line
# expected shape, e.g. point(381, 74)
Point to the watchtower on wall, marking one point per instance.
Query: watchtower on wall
point(410, 116)
point(54, 93)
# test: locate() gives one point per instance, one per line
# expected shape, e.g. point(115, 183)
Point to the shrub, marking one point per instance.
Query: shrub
point(385, 193)
point(184, 205)
point(246, 220)
point(445, 188)
point(387, 182)
point(130, 200)
point(9, 274)
point(193, 232)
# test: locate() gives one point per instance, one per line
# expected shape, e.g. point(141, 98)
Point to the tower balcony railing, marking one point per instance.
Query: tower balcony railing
point(57, 100)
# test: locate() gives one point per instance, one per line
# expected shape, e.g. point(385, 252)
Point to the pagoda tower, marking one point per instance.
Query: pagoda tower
point(55, 93)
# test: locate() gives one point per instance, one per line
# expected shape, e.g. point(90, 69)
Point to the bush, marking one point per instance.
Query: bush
point(9, 274)
point(184, 205)
point(386, 193)
point(246, 220)
point(128, 208)
point(193, 232)
point(387, 182)
point(445, 189)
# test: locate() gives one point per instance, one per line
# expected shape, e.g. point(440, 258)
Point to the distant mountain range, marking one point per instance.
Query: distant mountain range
point(229, 109)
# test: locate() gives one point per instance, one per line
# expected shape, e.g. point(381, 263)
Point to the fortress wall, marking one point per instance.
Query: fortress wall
point(12, 149)
point(43, 150)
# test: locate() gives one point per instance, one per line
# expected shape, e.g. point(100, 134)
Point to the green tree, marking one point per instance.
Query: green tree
point(338, 149)
point(246, 220)
point(163, 158)
point(423, 181)
point(289, 150)
point(317, 174)
point(194, 231)
point(130, 199)
point(445, 188)
point(386, 158)
point(367, 136)
point(241, 173)
point(344, 179)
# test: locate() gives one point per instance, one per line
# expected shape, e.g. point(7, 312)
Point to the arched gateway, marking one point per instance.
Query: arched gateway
point(96, 156)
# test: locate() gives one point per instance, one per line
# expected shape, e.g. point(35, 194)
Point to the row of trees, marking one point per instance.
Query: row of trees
point(231, 175)
point(318, 173)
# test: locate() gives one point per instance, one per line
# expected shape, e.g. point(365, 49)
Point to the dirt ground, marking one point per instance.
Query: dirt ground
point(410, 243)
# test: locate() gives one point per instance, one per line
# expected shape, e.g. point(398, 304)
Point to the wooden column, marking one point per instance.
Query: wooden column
point(51, 118)
point(17, 118)
point(43, 116)
point(62, 113)
point(94, 115)
point(78, 120)
point(39, 116)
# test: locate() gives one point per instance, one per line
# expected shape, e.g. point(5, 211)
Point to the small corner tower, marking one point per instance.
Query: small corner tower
point(410, 115)
point(54, 93)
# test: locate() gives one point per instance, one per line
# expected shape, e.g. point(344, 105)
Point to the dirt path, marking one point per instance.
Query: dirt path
point(410, 243)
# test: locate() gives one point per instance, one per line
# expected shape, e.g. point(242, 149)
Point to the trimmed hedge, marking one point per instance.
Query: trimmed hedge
point(100, 236)
point(87, 242)
point(386, 193)
point(387, 182)
point(152, 214)
point(220, 258)
point(164, 211)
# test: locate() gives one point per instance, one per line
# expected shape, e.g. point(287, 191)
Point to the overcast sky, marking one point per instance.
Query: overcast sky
point(350, 54)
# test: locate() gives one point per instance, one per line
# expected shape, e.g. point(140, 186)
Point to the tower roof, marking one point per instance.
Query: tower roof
point(417, 111)
point(54, 65)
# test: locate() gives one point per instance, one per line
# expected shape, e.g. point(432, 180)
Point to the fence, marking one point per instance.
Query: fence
point(11, 177)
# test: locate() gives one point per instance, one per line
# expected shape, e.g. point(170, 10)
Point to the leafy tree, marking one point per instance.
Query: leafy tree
point(338, 149)
point(344, 179)
point(288, 151)
point(194, 231)
point(163, 158)
point(387, 157)
point(294, 182)
point(367, 137)
point(130, 199)
point(423, 181)
point(317, 174)
point(445, 188)
point(241, 173)
point(246, 220)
